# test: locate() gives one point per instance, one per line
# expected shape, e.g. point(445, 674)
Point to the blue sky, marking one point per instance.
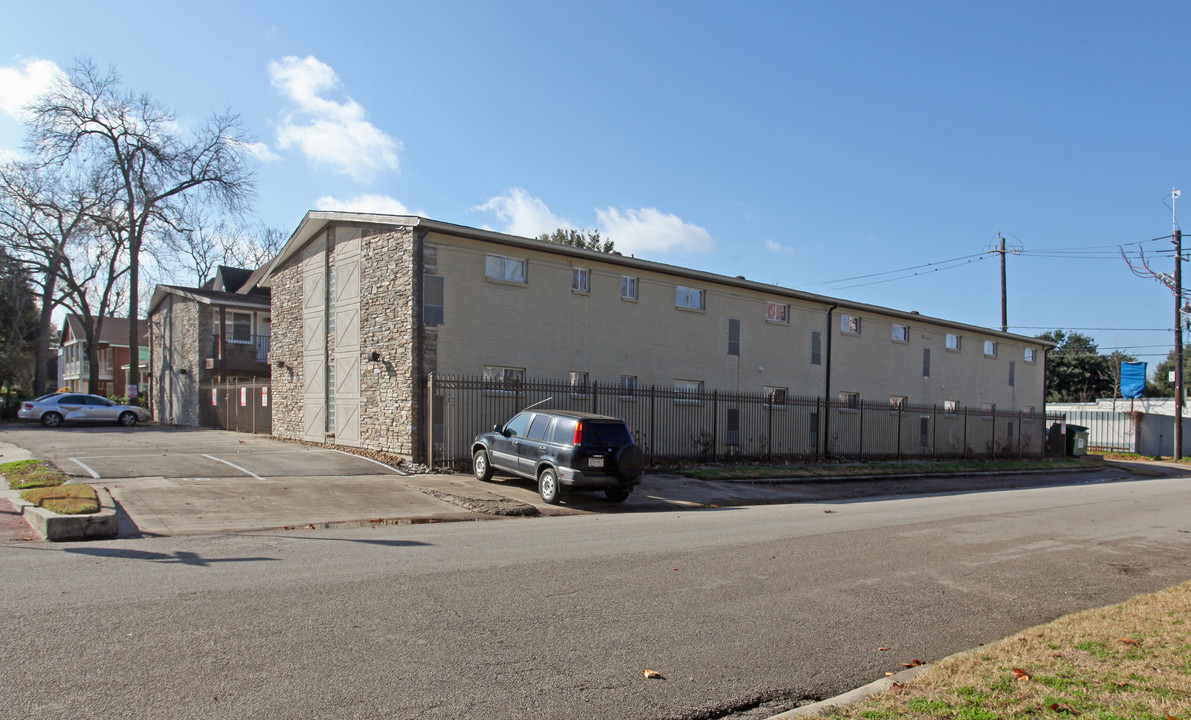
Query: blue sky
point(793, 143)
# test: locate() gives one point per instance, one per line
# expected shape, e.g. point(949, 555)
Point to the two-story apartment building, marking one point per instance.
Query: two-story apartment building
point(112, 354)
point(365, 306)
point(212, 333)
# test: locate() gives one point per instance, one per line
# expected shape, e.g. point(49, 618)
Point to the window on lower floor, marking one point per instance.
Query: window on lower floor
point(628, 387)
point(951, 407)
point(988, 408)
point(897, 402)
point(849, 400)
point(239, 327)
point(776, 397)
point(578, 383)
point(504, 379)
point(688, 391)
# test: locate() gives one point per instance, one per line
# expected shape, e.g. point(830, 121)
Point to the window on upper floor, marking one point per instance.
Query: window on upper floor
point(925, 362)
point(1031, 355)
point(777, 312)
point(901, 333)
point(734, 337)
point(953, 342)
point(690, 298)
point(628, 288)
point(990, 348)
point(433, 299)
point(239, 327)
point(580, 280)
point(849, 324)
point(816, 347)
point(1012, 373)
point(505, 269)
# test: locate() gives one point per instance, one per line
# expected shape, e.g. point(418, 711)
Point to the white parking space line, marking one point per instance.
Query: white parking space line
point(232, 464)
point(80, 464)
point(361, 457)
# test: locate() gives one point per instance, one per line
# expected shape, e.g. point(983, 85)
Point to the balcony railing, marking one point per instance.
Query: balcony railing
point(245, 354)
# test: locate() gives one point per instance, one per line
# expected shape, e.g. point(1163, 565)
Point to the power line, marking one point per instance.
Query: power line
point(1064, 327)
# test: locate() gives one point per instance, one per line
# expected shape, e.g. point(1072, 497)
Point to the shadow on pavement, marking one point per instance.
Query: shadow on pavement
point(180, 557)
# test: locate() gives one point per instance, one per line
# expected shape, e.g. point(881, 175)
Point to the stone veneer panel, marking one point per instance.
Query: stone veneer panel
point(175, 394)
point(285, 345)
point(390, 397)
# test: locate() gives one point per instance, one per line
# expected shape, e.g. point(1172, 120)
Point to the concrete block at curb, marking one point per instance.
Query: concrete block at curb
point(50, 525)
point(852, 697)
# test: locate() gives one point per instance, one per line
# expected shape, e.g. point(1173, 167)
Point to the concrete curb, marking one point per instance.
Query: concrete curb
point(852, 696)
point(50, 525)
point(873, 478)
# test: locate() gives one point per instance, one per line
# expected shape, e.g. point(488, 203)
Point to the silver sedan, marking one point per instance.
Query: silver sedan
point(56, 408)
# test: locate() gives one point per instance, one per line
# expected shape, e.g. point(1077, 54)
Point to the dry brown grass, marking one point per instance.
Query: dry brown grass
point(1130, 661)
point(65, 499)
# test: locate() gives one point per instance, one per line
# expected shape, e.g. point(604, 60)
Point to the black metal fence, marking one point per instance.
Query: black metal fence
point(674, 425)
point(239, 406)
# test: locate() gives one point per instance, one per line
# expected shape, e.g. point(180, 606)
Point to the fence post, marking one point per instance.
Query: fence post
point(1019, 434)
point(966, 413)
point(861, 446)
point(430, 420)
point(899, 432)
point(595, 398)
point(818, 428)
point(715, 424)
point(653, 438)
point(769, 432)
point(993, 444)
point(934, 432)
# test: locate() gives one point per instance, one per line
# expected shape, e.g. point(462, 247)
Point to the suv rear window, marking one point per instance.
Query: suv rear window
point(606, 433)
point(564, 431)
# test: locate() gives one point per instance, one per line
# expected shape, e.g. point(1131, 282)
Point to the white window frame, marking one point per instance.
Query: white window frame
point(990, 348)
point(688, 392)
point(955, 343)
point(230, 332)
point(1031, 355)
point(849, 401)
point(578, 384)
point(776, 397)
point(628, 387)
point(849, 324)
point(629, 288)
point(898, 402)
point(951, 407)
point(504, 269)
point(581, 281)
point(684, 296)
point(988, 409)
point(777, 313)
point(900, 337)
point(509, 378)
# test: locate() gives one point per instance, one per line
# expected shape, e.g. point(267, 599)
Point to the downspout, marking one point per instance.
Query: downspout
point(827, 383)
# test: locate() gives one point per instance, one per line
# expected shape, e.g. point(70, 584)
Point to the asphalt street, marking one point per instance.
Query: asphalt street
point(744, 611)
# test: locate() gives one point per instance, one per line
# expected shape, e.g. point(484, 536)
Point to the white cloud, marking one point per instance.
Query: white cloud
point(523, 214)
point(775, 247)
point(650, 230)
point(365, 204)
point(261, 152)
point(327, 131)
point(647, 230)
point(19, 86)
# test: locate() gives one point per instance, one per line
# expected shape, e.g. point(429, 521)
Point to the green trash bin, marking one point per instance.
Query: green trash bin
point(1077, 440)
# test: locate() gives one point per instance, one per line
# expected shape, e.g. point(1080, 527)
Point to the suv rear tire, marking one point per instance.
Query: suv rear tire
point(549, 487)
point(630, 462)
point(617, 494)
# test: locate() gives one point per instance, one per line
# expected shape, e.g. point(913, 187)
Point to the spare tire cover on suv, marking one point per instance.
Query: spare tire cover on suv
point(630, 462)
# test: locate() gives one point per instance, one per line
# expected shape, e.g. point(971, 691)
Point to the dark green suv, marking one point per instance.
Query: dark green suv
point(562, 449)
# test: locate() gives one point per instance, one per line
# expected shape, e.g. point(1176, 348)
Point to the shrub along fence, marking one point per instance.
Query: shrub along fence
point(674, 425)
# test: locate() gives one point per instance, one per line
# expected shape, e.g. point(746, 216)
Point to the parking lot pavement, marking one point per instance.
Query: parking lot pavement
point(13, 527)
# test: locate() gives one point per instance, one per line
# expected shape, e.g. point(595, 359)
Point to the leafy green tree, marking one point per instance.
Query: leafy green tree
point(1075, 369)
point(586, 239)
point(18, 325)
point(1162, 385)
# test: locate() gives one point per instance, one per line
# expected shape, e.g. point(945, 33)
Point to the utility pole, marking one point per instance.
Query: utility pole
point(1004, 301)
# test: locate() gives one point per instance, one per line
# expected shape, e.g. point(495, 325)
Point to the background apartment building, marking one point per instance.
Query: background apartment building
point(365, 306)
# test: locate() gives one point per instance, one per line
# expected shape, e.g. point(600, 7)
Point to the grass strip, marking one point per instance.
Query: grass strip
point(64, 499)
point(751, 472)
point(1123, 661)
point(22, 474)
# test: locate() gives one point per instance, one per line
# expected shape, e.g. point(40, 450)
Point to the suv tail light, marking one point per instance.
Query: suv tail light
point(578, 434)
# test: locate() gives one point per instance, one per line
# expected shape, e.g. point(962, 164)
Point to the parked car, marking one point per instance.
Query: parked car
point(56, 408)
point(562, 449)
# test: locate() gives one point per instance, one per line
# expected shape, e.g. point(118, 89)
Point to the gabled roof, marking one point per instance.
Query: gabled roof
point(113, 333)
point(252, 301)
point(316, 220)
point(227, 279)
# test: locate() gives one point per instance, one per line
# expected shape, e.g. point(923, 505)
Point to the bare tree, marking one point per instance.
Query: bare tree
point(146, 164)
point(40, 217)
